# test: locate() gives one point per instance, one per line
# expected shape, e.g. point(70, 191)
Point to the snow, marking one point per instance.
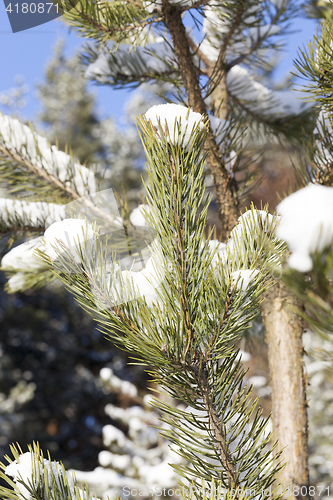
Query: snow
point(306, 224)
point(257, 381)
point(105, 374)
point(265, 219)
point(31, 213)
point(16, 282)
point(176, 121)
point(68, 232)
point(23, 256)
point(137, 217)
point(23, 470)
point(152, 6)
point(125, 387)
point(242, 278)
point(244, 356)
point(19, 138)
point(113, 435)
point(135, 284)
point(324, 134)
point(251, 225)
point(323, 122)
point(108, 66)
point(108, 459)
point(220, 252)
point(279, 102)
point(215, 23)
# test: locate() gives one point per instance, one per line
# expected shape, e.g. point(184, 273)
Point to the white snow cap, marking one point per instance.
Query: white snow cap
point(177, 119)
point(243, 278)
point(265, 218)
point(23, 470)
point(23, 256)
point(33, 212)
point(306, 224)
point(143, 283)
point(70, 232)
point(137, 217)
point(16, 282)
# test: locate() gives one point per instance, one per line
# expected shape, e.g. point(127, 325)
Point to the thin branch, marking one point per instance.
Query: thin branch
point(256, 117)
point(146, 76)
point(225, 455)
point(39, 172)
point(198, 367)
point(182, 265)
point(197, 51)
point(253, 47)
point(217, 75)
point(16, 229)
point(119, 29)
point(245, 54)
point(195, 5)
point(52, 179)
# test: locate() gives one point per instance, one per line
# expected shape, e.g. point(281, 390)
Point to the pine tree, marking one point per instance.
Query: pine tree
point(188, 342)
point(216, 71)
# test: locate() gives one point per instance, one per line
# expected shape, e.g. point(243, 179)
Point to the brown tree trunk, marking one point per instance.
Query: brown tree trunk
point(288, 387)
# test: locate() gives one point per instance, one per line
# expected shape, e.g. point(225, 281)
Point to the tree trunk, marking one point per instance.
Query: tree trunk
point(288, 387)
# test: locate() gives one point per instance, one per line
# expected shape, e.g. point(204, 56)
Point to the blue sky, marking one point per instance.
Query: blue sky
point(26, 53)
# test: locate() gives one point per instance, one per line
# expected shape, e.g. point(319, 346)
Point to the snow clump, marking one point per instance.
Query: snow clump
point(242, 278)
point(22, 470)
point(23, 256)
point(68, 233)
point(176, 120)
point(306, 224)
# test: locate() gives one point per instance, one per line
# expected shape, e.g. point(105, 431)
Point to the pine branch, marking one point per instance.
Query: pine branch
point(254, 46)
point(189, 339)
point(39, 172)
point(285, 124)
point(38, 478)
point(126, 30)
point(226, 457)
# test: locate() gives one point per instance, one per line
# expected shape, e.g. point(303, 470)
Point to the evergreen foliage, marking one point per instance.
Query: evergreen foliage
point(189, 342)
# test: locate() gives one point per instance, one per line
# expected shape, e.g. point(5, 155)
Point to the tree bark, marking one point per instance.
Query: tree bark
point(288, 387)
